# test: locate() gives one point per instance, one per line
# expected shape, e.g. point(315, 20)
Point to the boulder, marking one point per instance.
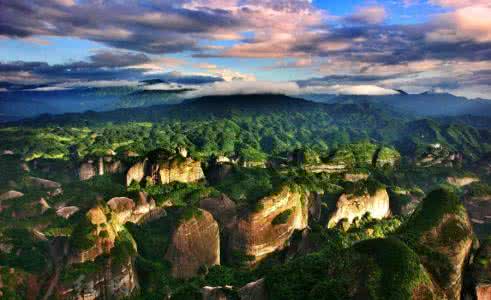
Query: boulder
point(195, 244)
point(122, 207)
point(216, 293)
point(350, 206)
point(461, 181)
point(10, 195)
point(258, 234)
point(355, 177)
point(43, 183)
point(67, 211)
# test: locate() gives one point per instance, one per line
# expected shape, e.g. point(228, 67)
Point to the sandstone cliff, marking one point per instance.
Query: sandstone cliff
point(256, 234)
point(165, 169)
point(350, 206)
point(195, 244)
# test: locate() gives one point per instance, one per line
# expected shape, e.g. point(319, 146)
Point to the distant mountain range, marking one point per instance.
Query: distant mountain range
point(26, 101)
point(425, 104)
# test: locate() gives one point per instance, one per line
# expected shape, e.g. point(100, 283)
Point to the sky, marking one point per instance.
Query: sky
point(308, 46)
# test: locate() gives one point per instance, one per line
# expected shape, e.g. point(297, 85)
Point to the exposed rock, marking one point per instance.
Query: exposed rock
point(67, 212)
point(255, 290)
point(222, 208)
point(195, 244)
point(44, 205)
point(479, 209)
point(350, 207)
point(481, 272)
point(123, 208)
point(440, 228)
point(136, 172)
point(114, 281)
point(8, 152)
point(386, 157)
point(461, 181)
point(10, 195)
point(403, 201)
point(326, 168)
point(182, 151)
point(315, 206)
point(355, 177)
point(86, 170)
point(44, 183)
point(176, 170)
point(216, 293)
point(255, 234)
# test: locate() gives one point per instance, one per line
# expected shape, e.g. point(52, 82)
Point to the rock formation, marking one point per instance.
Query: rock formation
point(254, 291)
point(441, 233)
point(122, 207)
point(164, 169)
point(350, 207)
point(195, 244)
point(67, 211)
point(481, 272)
point(87, 170)
point(136, 172)
point(256, 236)
point(461, 181)
point(185, 171)
point(43, 183)
point(223, 210)
point(10, 195)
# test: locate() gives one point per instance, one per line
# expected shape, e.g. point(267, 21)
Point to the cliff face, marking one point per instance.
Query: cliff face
point(114, 281)
point(174, 170)
point(195, 244)
point(256, 234)
point(166, 170)
point(351, 206)
point(481, 272)
point(103, 165)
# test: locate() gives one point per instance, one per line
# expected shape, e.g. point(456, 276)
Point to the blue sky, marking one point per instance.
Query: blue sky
point(411, 44)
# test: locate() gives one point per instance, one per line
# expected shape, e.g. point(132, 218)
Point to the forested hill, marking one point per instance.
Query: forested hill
point(219, 107)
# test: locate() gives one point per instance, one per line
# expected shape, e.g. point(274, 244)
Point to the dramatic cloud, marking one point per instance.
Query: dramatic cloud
point(368, 15)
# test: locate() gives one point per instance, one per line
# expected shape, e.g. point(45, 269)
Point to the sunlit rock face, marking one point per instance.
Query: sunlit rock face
point(185, 171)
point(461, 181)
point(101, 166)
point(223, 209)
point(349, 207)
point(195, 244)
point(87, 170)
point(256, 234)
point(165, 168)
point(136, 173)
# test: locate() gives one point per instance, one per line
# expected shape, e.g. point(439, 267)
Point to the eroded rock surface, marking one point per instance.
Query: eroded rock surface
point(195, 244)
point(255, 234)
point(350, 207)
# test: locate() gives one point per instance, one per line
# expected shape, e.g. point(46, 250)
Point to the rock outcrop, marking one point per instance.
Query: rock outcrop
point(10, 195)
point(223, 209)
point(87, 170)
point(137, 172)
point(101, 166)
point(461, 181)
point(195, 244)
point(43, 183)
point(481, 272)
point(441, 233)
point(164, 169)
point(185, 171)
point(255, 290)
point(349, 207)
point(113, 281)
point(67, 211)
point(256, 234)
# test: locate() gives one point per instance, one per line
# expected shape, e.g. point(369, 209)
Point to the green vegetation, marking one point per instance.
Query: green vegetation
point(282, 217)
